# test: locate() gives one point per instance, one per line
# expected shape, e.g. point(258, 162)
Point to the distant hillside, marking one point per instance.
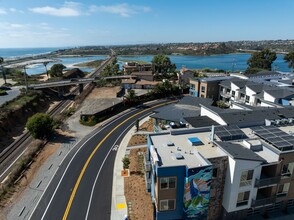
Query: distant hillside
point(208, 48)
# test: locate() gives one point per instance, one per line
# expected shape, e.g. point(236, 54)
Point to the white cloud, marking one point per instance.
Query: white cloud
point(124, 10)
point(3, 11)
point(12, 26)
point(14, 10)
point(69, 9)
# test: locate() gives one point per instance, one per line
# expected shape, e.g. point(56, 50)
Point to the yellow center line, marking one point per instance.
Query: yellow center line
point(65, 215)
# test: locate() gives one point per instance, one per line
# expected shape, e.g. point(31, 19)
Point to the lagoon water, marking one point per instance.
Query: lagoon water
point(228, 62)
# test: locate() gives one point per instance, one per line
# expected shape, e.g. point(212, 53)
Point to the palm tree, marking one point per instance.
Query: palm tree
point(2, 69)
point(131, 96)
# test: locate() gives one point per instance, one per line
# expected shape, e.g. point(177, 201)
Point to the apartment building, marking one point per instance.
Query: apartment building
point(183, 176)
point(206, 87)
point(224, 172)
point(255, 93)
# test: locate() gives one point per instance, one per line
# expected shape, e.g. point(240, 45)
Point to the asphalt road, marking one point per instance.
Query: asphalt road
point(11, 94)
point(87, 173)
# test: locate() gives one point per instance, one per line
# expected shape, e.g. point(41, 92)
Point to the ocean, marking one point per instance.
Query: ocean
point(227, 62)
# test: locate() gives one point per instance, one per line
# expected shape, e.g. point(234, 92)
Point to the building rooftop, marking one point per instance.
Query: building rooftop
point(195, 101)
point(281, 92)
point(263, 73)
point(128, 81)
point(237, 151)
point(142, 73)
point(146, 82)
point(176, 112)
point(193, 156)
point(240, 116)
point(200, 121)
point(215, 79)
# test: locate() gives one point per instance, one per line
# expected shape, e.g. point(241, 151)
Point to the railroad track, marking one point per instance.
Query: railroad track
point(10, 154)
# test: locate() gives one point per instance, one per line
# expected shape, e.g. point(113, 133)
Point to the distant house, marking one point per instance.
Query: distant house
point(138, 84)
point(130, 67)
point(184, 76)
point(144, 75)
point(73, 73)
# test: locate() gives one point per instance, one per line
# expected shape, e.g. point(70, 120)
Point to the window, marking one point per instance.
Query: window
point(202, 96)
point(283, 190)
point(247, 98)
point(214, 172)
point(233, 94)
point(246, 178)
point(168, 183)
point(287, 170)
point(202, 88)
point(243, 198)
point(168, 204)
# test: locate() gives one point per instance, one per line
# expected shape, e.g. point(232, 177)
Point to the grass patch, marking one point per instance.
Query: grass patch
point(90, 64)
point(20, 101)
point(134, 61)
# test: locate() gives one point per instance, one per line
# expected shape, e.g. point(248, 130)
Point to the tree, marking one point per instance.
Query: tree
point(126, 163)
point(166, 89)
point(40, 125)
point(289, 58)
point(261, 61)
point(56, 70)
point(137, 124)
point(162, 64)
point(2, 69)
point(131, 96)
point(111, 69)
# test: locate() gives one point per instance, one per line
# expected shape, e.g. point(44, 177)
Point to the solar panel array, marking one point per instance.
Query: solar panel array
point(227, 133)
point(275, 136)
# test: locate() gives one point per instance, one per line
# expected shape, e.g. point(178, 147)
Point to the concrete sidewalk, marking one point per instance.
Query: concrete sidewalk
point(119, 209)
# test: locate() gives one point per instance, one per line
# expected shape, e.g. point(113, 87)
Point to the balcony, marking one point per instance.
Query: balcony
point(267, 181)
point(225, 94)
point(264, 201)
point(147, 164)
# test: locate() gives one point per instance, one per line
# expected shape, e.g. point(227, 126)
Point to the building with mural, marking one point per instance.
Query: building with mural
point(222, 172)
point(181, 174)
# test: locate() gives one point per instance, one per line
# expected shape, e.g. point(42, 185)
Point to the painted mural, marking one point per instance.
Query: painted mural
point(196, 192)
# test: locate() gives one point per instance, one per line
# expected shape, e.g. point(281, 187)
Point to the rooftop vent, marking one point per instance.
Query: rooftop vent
point(179, 156)
point(170, 143)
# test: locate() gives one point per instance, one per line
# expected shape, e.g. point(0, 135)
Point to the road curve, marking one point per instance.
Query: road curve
point(68, 195)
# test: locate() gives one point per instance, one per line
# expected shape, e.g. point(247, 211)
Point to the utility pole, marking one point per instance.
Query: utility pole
point(25, 77)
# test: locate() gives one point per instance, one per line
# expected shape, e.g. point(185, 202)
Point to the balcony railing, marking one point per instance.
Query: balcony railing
point(225, 94)
point(147, 164)
point(262, 202)
point(267, 181)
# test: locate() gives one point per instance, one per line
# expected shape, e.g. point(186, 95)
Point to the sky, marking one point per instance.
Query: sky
point(57, 23)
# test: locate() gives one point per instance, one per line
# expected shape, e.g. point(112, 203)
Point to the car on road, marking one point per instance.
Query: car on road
point(5, 88)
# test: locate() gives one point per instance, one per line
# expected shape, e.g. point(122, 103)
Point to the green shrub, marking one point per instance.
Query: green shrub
point(40, 125)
